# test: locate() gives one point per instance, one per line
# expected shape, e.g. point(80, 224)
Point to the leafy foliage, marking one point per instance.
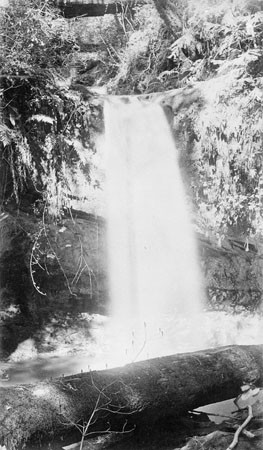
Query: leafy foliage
point(34, 35)
point(230, 165)
point(131, 49)
point(215, 34)
point(143, 55)
point(45, 128)
point(222, 42)
point(227, 43)
point(208, 40)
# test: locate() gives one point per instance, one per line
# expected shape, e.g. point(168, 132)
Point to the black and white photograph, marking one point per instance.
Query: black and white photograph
point(131, 224)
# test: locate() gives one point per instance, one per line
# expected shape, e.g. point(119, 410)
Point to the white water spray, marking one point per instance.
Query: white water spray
point(153, 265)
point(155, 279)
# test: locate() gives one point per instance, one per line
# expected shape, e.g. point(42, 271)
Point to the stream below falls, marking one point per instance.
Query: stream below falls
point(98, 343)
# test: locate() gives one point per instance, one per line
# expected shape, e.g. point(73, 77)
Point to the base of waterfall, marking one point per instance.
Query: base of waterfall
point(96, 342)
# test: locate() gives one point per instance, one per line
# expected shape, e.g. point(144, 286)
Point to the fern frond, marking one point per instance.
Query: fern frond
point(5, 135)
point(41, 118)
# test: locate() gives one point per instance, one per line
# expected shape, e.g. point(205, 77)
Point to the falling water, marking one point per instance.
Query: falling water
point(155, 282)
point(153, 264)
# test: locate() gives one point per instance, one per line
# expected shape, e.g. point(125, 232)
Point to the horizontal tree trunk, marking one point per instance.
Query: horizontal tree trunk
point(141, 392)
point(91, 8)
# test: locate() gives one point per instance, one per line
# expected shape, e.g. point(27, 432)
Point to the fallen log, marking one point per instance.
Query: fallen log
point(138, 393)
point(77, 8)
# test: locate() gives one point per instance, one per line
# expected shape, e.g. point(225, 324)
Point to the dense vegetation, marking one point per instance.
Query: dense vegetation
point(46, 125)
point(198, 42)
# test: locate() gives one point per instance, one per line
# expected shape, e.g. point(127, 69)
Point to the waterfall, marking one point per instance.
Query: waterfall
point(152, 254)
point(155, 280)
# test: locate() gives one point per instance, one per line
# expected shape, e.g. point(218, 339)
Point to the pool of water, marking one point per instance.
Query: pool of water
point(220, 411)
point(104, 344)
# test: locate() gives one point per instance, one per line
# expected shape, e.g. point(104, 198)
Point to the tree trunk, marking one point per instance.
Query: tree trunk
point(76, 8)
point(171, 12)
point(139, 393)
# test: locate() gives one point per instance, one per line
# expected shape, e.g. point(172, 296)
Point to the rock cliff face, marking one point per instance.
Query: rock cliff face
point(49, 270)
point(233, 275)
point(75, 261)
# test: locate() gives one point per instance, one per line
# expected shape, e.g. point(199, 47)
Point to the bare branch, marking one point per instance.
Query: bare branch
point(102, 405)
point(240, 429)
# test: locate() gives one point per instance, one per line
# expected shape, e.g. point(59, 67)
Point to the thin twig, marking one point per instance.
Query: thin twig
point(34, 261)
point(100, 406)
point(212, 414)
